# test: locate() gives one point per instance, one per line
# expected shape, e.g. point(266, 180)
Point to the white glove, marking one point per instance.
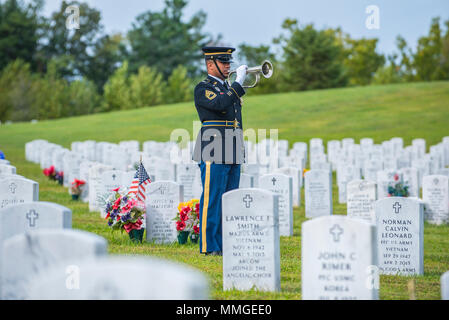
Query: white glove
point(241, 74)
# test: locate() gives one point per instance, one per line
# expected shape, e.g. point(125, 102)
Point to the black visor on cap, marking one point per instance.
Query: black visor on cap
point(222, 54)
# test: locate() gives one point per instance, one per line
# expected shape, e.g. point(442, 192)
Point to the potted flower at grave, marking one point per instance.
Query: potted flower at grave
point(50, 172)
point(187, 221)
point(59, 177)
point(125, 212)
point(77, 188)
point(398, 189)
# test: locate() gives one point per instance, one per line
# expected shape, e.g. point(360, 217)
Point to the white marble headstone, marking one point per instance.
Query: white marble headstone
point(282, 185)
point(109, 279)
point(445, 286)
point(318, 193)
point(7, 169)
point(15, 190)
point(246, 181)
point(338, 259)
point(296, 174)
point(251, 254)
point(361, 195)
point(400, 236)
point(185, 175)
point(436, 198)
point(162, 200)
point(27, 255)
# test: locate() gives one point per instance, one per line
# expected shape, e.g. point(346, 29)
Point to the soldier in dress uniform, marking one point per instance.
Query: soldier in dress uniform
point(219, 147)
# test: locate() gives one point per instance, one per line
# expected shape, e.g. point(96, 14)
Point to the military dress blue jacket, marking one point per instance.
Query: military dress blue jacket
point(220, 139)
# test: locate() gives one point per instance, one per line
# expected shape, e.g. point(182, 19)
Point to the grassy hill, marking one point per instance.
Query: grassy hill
point(418, 110)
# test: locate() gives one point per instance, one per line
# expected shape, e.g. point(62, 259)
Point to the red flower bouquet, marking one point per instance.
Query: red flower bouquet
point(125, 212)
point(77, 187)
point(188, 220)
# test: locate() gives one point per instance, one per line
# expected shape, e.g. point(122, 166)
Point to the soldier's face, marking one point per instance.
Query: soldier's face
point(225, 68)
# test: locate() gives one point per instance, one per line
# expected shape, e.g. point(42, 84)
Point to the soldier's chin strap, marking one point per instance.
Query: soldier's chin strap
point(218, 68)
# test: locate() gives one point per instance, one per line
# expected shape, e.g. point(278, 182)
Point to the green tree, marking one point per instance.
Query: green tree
point(389, 73)
point(108, 52)
point(19, 31)
point(311, 58)
point(164, 41)
point(178, 88)
point(50, 94)
point(16, 94)
point(75, 43)
point(362, 60)
point(430, 59)
point(116, 90)
point(146, 88)
point(82, 98)
point(406, 66)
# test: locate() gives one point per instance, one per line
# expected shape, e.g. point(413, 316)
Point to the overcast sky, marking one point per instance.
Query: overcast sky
point(257, 22)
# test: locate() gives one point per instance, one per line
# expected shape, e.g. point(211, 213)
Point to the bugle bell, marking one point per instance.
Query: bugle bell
point(265, 69)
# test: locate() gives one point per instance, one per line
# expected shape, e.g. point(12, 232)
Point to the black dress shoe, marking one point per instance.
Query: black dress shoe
point(214, 253)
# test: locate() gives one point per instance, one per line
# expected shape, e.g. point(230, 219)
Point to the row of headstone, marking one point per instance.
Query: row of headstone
point(42, 258)
point(342, 257)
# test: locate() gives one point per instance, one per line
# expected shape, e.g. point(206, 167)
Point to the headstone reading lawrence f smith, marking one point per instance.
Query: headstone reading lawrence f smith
point(338, 259)
point(251, 254)
point(400, 236)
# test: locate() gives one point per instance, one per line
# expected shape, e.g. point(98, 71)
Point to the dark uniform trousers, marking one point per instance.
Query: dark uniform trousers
point(219, 150)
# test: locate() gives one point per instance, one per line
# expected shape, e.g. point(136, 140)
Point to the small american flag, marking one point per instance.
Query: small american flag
point(141, 179)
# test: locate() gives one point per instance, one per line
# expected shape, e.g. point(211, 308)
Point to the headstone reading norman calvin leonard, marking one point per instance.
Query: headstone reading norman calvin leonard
point(251, 254)
point(400, 236)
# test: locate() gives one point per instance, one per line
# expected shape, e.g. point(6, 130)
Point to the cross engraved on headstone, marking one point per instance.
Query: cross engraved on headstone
point(247, 199)
point(163, 189)
point(435, 181)
point(12, 187)
point(187, 168)
point(397, 206)
point(114, 176)
point(274, 181)
point(336, 231)
point(361, 186)
point(32, 216)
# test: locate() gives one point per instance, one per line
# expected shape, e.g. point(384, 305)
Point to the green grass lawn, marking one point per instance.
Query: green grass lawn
point(418, 110)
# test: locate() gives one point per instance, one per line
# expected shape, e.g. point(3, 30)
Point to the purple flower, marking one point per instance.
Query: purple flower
point(110, 223)
point(125, 199)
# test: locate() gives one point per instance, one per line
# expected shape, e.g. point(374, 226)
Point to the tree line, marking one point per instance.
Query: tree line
point(48, 71)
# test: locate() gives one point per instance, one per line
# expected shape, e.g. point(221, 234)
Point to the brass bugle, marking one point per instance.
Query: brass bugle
point(265, 69)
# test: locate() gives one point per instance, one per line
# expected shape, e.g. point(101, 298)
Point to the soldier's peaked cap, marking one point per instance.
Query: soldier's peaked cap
point(222, 54)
